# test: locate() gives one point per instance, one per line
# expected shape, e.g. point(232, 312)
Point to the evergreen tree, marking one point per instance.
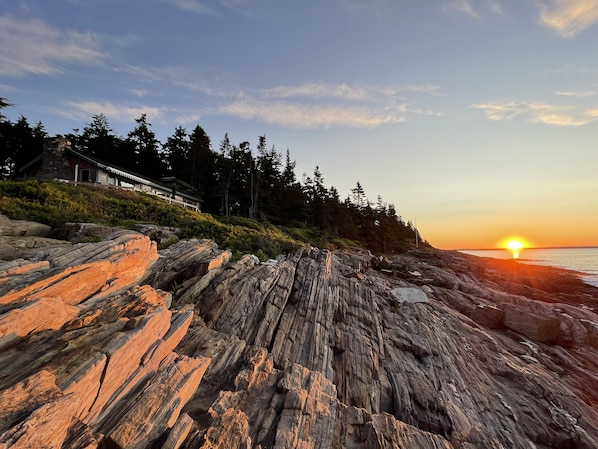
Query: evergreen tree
point(98, 140)
point(292, 202)
point(20, 144)
point(177, 150)
point(224, 175)
point(232, 181)
point(204, 168)
point(3, 104)
point(288, 174)
point(359, 198)
point(316, 194)
point(142, 140)
point(270, 184)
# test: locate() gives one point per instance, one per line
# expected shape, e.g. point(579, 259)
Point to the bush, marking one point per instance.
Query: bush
point(55, 203)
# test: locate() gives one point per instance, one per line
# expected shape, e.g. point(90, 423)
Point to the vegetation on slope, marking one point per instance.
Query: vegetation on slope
point(251, 188)
point(55, 203)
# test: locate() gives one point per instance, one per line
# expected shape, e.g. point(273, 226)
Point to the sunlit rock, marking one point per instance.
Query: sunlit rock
point(109, 342)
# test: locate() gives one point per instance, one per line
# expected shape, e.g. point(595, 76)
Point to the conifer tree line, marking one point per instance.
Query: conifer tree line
point(257, 182)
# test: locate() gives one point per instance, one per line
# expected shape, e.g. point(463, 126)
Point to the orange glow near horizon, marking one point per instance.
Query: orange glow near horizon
point(515, 245)
point(494, 231)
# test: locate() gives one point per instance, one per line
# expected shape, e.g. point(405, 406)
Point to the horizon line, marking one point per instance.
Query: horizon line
point(523, 249)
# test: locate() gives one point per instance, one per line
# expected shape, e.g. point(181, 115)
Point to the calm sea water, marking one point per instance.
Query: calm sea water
point(584, 260)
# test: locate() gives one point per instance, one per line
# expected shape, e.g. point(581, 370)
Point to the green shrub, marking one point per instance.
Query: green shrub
point(55, 203)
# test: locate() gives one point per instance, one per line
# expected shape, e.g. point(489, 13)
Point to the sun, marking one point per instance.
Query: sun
point(515, 245)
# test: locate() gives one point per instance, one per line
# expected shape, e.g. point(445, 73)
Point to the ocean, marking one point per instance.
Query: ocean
point(584, 260)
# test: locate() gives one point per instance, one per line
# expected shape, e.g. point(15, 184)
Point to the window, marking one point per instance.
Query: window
point(85, 175)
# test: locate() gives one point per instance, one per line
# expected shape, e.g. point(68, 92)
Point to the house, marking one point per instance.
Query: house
point(61, 162)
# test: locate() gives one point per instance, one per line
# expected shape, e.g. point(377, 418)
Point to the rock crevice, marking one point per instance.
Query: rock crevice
point(114, 344)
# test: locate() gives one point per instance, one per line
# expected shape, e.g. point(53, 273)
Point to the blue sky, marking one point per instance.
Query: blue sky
point(478, 119)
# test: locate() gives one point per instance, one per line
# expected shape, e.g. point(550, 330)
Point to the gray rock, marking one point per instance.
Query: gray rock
point(297, 353)
point(23, 228)
point(410, 295)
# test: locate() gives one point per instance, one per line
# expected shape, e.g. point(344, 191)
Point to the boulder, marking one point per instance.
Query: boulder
point(535, 326)
point(23, 228)
point(156, 408)
point(119, 344)
point(410, 295)
point(488, 316)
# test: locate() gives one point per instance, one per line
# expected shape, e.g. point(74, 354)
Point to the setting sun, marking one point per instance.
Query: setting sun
point(515, 245)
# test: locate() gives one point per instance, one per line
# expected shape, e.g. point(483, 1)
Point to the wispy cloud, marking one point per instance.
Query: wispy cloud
point(548, 114)
point(298, 116)
point(216, 8)
point(474, 9)
point(568, 17)
point(423, 88)
point(191, 117)
point(324, 105)
point(318, 90)
point(33, 47)
point(461, 6)
point(83, 110)
point(7, 88)
point(308, 105)
point(138, 92)
point(585, 94)
point(569, 69)
point(193, 6)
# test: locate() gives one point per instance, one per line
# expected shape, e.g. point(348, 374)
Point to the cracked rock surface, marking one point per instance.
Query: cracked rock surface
point(114, 344)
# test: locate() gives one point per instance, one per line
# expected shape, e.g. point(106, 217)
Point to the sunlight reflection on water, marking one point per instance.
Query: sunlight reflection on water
point(584, 260)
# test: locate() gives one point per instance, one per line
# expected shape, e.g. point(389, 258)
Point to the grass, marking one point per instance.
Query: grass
point(55, 203)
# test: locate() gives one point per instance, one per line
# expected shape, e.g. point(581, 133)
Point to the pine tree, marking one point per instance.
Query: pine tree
point(204, 168)
point(98, 140)
point(148, 160)
point(177, 152)
point(20, 144)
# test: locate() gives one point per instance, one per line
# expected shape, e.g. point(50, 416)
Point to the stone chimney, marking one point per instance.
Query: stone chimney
point(55, 164)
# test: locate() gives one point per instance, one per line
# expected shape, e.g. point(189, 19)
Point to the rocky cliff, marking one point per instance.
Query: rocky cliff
point(110, 343)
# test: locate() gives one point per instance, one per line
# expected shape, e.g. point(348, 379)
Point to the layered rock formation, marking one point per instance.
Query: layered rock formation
point(113, 344)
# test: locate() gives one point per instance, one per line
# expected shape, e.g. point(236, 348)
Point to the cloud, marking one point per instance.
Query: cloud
point(569, 69)
point(138, 92)
point(308, 105)
point(474, 9)
point(500, 111)
point(243, 7)
point(423, 88)
point(84, 110)
point(548, 114)
point(33, 47)
point(575, 94)
point(568, 17)
point(190, 117)
point(324, 105)
point(461, 6)
point(193, 6)
point(318, 90)
point(7, 88)
point(298, 116)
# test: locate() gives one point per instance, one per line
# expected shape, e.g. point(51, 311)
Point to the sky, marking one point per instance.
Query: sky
point(477, 119)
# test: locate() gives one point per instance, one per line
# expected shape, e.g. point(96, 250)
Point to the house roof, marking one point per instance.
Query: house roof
point(163, 184)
